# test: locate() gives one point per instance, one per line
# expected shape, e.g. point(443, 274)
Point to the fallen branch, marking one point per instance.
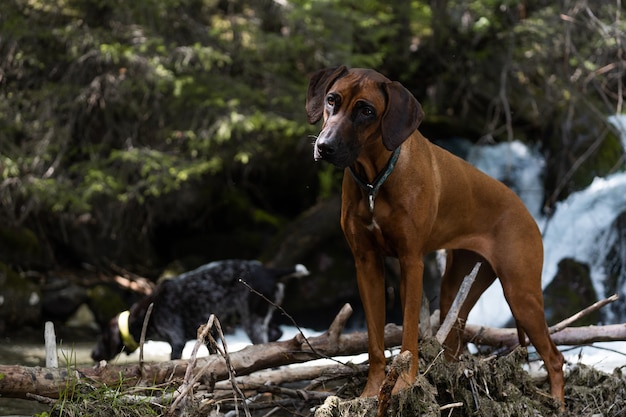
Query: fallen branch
point(293, 374)
point(20, 381)
point(492, 336)
point(453, 314)
point(16, 381)
point(560, 333)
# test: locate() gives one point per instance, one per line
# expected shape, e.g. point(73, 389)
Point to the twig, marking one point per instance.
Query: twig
point(41, 399)
point(335, 327)
point(595, 306)
point(433, 361)
point(188, 383)
point(278, 307)
point(142, 338)
point(231, 370)
point(453, 314)
point(451, 405)
point(203, 332)
point(469, 374)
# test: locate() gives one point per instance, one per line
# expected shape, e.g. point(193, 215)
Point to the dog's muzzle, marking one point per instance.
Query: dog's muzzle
point(331, 149)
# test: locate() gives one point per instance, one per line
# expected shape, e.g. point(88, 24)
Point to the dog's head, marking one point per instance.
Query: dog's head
point(359, 107)
point(109, 342)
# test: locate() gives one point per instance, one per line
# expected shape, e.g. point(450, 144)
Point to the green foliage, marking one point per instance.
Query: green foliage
point(130, 117)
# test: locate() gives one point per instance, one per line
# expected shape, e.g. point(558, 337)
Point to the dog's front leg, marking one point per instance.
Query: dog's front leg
point(412, 270)
point(371, 281)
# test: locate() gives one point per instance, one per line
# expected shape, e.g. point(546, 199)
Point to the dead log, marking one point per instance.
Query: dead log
point(574, 336)
point(285, 375)
point(560, 333)
point(17, 381)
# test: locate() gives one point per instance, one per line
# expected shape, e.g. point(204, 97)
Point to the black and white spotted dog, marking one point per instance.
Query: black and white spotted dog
point(183, 303)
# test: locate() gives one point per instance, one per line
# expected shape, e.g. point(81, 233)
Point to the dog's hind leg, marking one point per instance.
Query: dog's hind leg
point(522, 290)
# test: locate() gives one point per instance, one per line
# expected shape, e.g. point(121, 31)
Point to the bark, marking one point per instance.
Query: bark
point(491, 336)
point(17, 381)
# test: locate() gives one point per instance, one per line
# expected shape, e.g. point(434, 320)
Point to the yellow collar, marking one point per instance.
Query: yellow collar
point(127, 338)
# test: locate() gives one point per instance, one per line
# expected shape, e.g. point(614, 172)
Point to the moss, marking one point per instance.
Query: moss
point(105, 303)
point(20, 300)
point(18, 244)
point(570, 291)
point(601, 162)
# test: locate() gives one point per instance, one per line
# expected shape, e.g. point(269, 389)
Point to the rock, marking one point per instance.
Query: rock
point(614, 240)
point(61, 298)
point(570, 291)
point(20, 300)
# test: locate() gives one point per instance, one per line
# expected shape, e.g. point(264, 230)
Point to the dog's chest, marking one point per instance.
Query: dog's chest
point(378, 235)
point(373, 226)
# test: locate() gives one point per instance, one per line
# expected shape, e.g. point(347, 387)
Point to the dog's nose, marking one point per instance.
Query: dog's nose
point(325, 148)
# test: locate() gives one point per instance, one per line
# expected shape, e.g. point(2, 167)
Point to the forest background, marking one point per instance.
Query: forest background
point(139, 135)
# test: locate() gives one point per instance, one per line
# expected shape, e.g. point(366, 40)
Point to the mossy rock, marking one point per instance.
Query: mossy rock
point(20, 300)
point(570, 291)
point(601, 162)
point(105, 302)
point(19, 245)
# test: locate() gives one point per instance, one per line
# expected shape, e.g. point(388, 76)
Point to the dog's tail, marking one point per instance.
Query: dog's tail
point(296, 271)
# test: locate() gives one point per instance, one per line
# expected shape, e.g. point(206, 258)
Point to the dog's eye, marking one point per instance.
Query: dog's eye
point(330, 101)
point(366, 112)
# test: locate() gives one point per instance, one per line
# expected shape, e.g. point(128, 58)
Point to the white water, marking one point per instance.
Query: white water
point(580, 227)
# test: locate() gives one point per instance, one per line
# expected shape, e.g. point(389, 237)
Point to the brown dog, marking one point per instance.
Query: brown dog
point(404, 197)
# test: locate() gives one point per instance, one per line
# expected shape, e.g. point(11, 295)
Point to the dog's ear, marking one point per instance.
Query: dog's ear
point(402, 116)
point(318, 86)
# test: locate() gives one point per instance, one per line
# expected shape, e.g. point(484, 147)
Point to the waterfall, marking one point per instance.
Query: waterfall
point(586, 226)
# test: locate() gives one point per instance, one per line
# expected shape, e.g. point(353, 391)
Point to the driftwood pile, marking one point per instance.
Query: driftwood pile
point(256, 380)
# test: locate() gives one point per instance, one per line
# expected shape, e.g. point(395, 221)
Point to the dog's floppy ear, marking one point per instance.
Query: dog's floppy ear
point(402, 115)
point(318, 85)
